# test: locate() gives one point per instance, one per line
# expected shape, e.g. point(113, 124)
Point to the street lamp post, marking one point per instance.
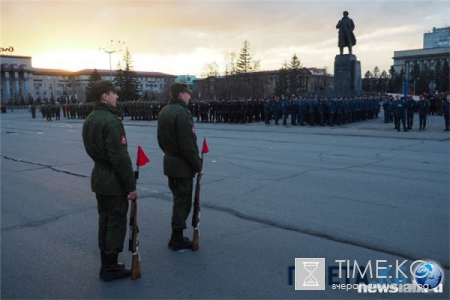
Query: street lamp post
point(113, 48)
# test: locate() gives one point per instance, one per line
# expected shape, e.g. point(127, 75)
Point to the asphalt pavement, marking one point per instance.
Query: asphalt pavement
point(362, 196)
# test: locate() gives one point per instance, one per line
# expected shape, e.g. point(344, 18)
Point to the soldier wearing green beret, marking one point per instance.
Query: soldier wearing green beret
point(112, 178)
point(177, 139)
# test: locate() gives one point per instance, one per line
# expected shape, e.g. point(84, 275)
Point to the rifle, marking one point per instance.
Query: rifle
point(134, 243)
point(196, 213)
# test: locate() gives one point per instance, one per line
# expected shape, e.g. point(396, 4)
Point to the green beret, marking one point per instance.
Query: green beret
point(178, 87)
point(102, 86)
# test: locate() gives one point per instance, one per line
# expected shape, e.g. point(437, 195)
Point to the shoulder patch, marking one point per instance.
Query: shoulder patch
point(123, 139)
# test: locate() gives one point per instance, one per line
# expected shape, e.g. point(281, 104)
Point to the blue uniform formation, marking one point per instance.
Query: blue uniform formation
point(303, 111)
point(313, 111)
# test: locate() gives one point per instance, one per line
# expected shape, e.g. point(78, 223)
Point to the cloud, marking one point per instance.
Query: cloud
point(180, 36)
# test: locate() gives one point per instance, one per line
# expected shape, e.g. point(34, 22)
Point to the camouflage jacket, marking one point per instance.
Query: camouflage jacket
point(178, 141)
point(106, 143)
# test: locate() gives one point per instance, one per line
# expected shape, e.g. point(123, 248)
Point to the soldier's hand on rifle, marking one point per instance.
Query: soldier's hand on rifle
point(200, 174)
point(133, 195)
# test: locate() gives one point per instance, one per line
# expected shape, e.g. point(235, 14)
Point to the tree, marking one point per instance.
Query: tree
point(422, 81)
point(127, 80)
point(294, 75)
point(244, 66)
point(442, 76)
point(367, 81)
point(383, 82)
point(400, 80)
point(245, 60)
point(413, 77)
point(438, 74)
point(281, 86)
point(95, 76)
point(374, 82)
point(392, 76)
point(445, 86)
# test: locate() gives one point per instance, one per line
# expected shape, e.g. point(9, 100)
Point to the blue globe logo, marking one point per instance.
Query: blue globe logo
point(428, 275)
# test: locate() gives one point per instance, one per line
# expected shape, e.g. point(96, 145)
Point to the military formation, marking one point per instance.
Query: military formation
point(284, 110)
point(70, 111)
point(401, 111)
point(312, 111)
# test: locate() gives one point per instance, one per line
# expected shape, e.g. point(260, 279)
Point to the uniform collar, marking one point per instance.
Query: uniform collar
point(105, 107)
point(177, 101)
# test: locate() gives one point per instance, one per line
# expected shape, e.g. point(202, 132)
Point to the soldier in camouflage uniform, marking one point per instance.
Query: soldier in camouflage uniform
point(112, 178)
point(47, 109)
point(33, 110)
point(177, 139)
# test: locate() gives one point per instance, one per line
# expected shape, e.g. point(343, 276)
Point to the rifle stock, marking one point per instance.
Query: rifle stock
point(196, 216)
point(134, 243)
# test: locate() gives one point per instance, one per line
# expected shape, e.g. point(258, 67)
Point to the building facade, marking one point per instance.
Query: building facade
point(21, 82)
point(439, 37)
point(436, 47)
point(262, 84)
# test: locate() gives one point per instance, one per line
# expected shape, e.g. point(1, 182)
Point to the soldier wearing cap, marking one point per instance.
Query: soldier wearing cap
point(446, 112)
point(178, 141)
point(411, 109)
point(424, 110)
point(112, 178)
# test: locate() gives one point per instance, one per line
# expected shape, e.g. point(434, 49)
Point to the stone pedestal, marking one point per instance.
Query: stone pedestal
point(347, 75)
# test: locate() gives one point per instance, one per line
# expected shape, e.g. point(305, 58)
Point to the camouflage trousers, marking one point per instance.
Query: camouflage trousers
point(182, 200)
point(112, 222)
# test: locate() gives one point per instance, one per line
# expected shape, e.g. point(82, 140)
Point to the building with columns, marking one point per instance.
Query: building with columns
point(436, 47)
point(16, 76)
point(20, 81)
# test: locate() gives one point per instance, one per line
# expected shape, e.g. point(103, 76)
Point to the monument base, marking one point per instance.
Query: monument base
point(347, 75)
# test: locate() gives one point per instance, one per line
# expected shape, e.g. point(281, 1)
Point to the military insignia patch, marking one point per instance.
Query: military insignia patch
point(123, 140)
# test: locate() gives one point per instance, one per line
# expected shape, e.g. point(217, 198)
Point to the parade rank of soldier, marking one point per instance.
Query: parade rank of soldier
point(33, 110)
point(446, 112)
point(411, 109)
point(424, 110)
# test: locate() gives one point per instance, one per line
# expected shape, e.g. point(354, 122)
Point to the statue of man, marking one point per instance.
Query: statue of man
point(346, 36)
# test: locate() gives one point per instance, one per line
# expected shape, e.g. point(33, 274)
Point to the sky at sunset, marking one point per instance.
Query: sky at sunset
point(180, 37)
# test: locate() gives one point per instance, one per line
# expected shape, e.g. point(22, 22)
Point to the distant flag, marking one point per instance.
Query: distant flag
point(142, 159)
point(405, 88)
point(205, 148)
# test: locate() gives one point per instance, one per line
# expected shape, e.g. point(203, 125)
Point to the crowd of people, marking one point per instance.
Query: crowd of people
point(402, 111)
point(284, 110)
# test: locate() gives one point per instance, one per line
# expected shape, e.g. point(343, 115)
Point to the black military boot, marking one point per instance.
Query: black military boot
point(102, 268)
point(103, 261)
point(178, 241)
point(114, 270)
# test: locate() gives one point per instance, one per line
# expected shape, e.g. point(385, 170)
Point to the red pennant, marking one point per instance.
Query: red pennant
point(142, 159)
point(205, 148)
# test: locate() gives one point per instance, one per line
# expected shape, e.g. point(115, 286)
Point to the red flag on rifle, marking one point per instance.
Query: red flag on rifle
point(205, 148)
point(142, 159)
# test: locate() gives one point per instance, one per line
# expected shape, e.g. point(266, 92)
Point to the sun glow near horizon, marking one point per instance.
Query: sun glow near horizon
point(71, 59)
